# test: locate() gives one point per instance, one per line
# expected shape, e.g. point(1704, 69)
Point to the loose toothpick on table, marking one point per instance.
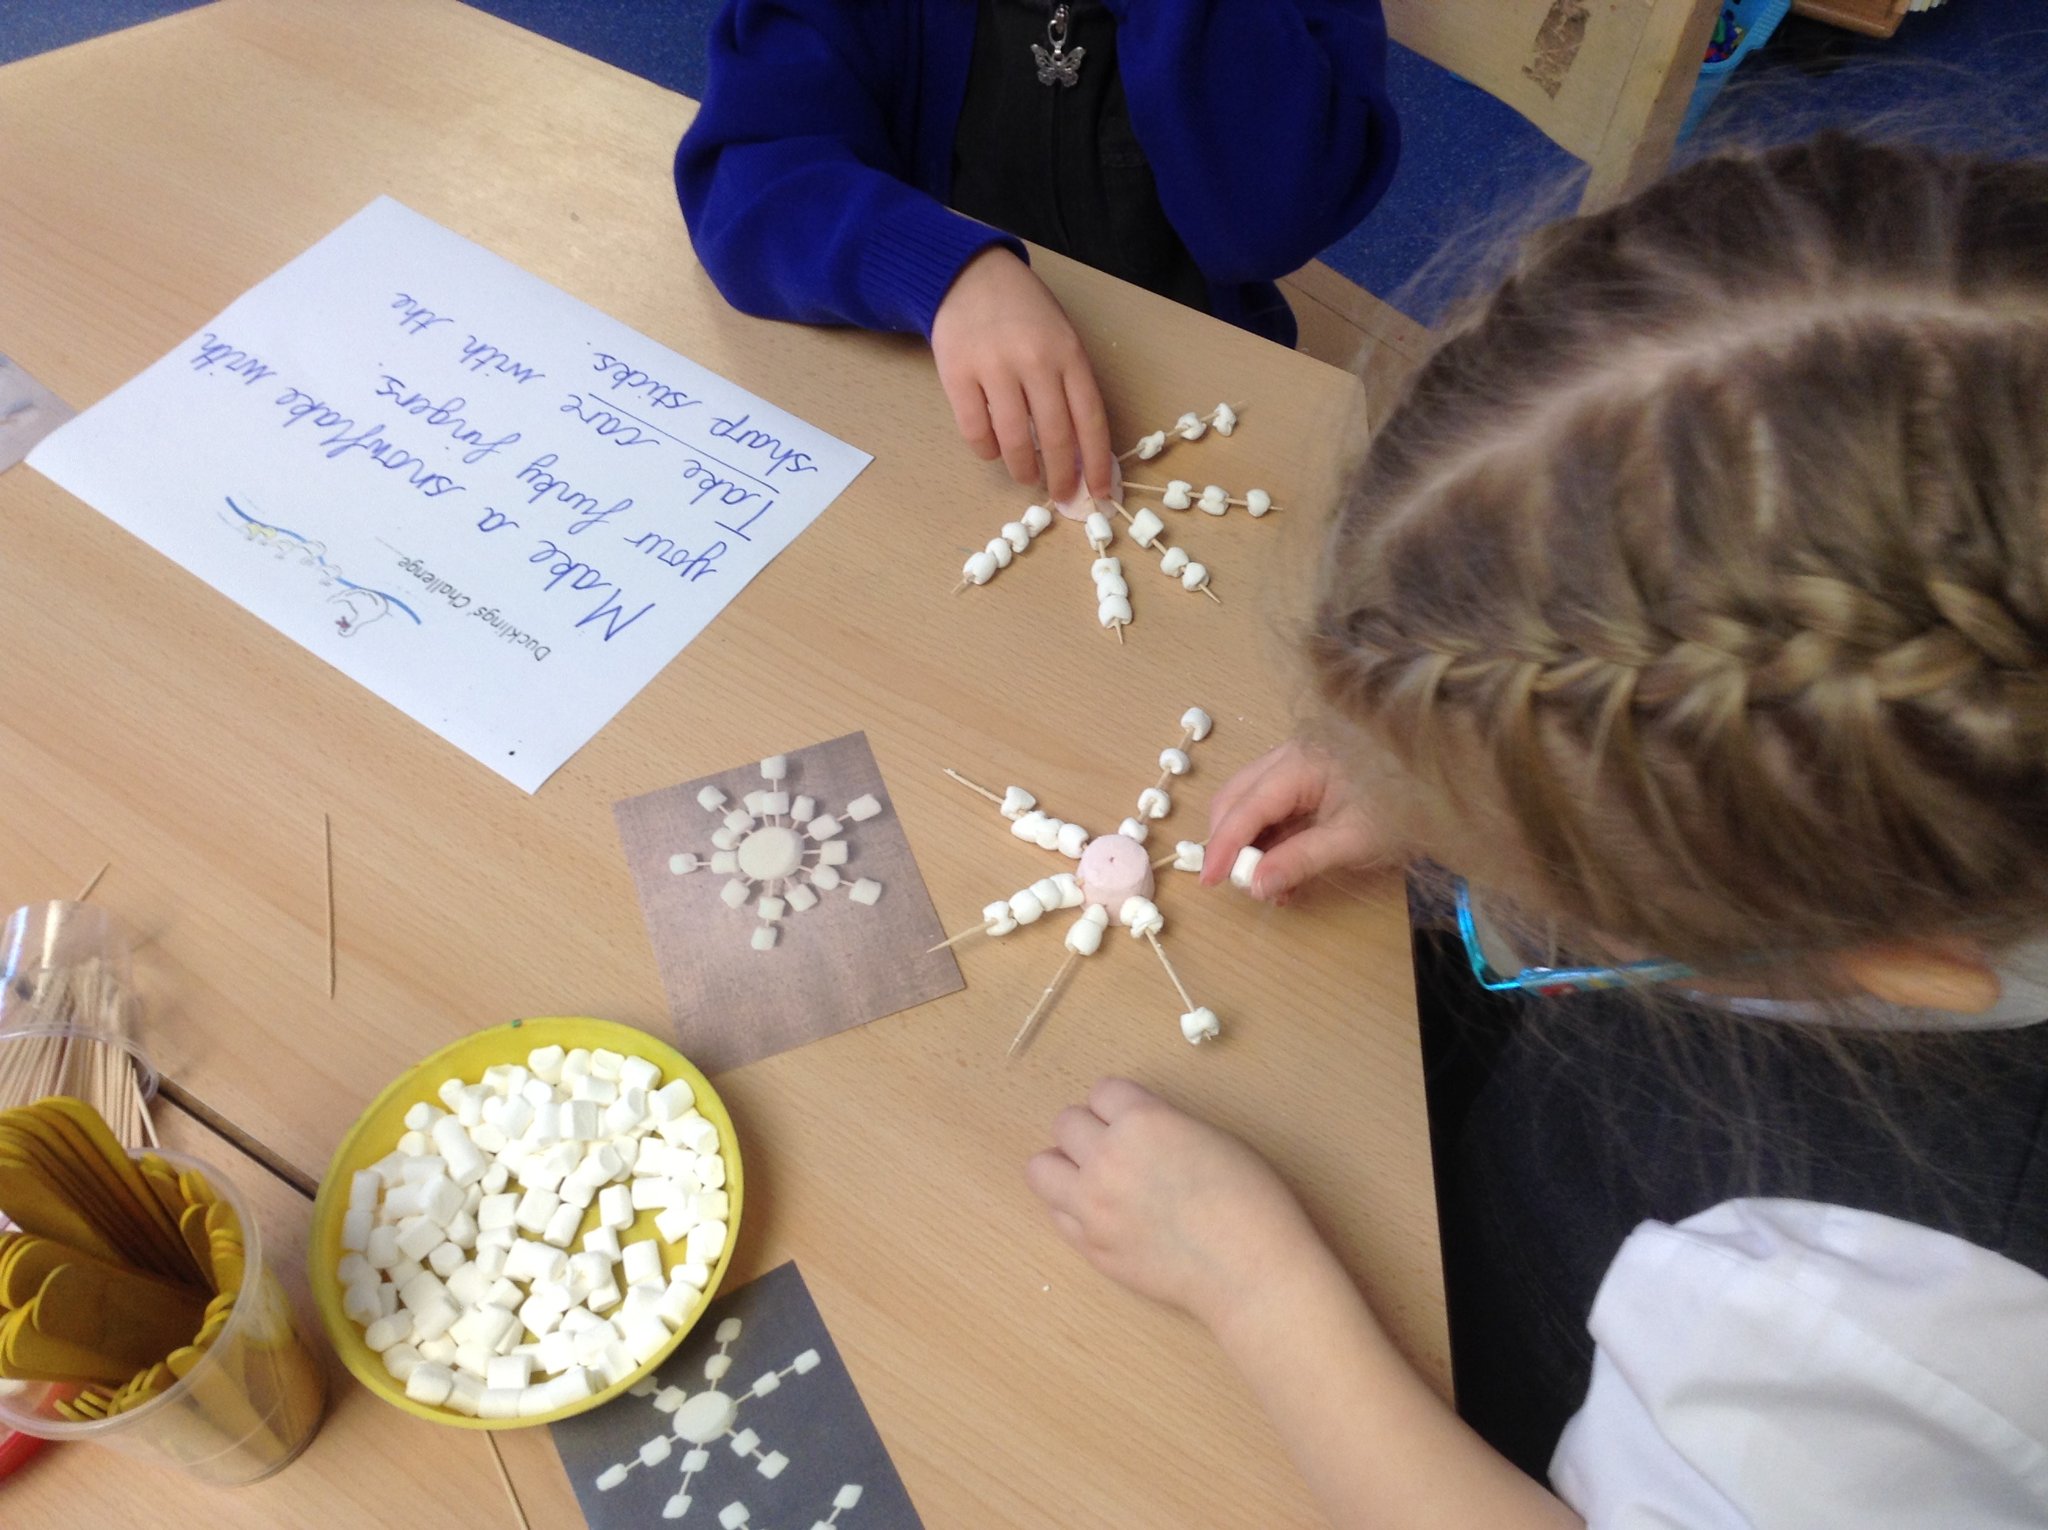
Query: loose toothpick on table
point(327, 839)
point(1043, 1006)
point(505, 1478)
point(86, 891)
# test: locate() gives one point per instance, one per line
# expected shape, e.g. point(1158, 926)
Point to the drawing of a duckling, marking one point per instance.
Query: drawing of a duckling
point(359, 608)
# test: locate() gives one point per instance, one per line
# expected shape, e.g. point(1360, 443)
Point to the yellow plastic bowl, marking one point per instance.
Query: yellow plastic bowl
point(378, 1129)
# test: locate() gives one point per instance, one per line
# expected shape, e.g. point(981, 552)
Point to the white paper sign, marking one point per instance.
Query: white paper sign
point(494, 506)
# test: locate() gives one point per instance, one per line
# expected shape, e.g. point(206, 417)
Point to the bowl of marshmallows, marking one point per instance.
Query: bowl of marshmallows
point(526, 1224)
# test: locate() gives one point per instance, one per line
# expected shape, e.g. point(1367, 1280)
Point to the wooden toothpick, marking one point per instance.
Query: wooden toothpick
point(327, 840)
point(505, 1478)
point(1180, 988)
point(1119, 633)
point(1043, 1006)
point(1172, 435)
point(86, 891)
point(972, 786)
point(979, 929)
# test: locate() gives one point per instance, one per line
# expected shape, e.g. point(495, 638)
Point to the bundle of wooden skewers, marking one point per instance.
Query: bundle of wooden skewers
point(122, 1271)
point(54, 1044)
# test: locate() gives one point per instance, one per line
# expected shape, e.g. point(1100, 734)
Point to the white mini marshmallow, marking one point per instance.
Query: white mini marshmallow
point(1215, 499)
point(764, 937)
point(1100, 532)
point(997, 919)
point(683, 864)
point(824, 826)
point(1017, 534)
point(1151, 446)
point(1145, 527)
point(1084, 937)
point(1046, 834)
point(1017, 802)
point(1073, 839)
point(705, 1243)
point(1114, 611)
point(1026, 907)
point(430, 1384)
point(834, 852)
point(865, 891)
point(1174, 762)
point(1027, 826)
point(775, 767)
point(1225, 419)
point(1106, 568)
point(774, 804)
point(725, 839)
point(1196, 723)
point(1190, 426)
point(1187, 856)
point(1047, 892)
point(1036, 519)
point(1132, 828)
point(1246, 866)
point(1068, 886)
point(1000, 550)
point(979, 569)
point(1200, 1025)
point(770, 908)
point(1194, 576)
point(1154, 803)
point(711, 799)
point(801, 898)
point(804, 809)
point(824, 878)
point(1141, 917)
point(1177, 495)
point(1172, 561)
point(736, 893)
point(562, 1226)
point(1258, 502)
point(361, 1302)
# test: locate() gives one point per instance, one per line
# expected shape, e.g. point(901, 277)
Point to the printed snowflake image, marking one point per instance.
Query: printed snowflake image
point(702, 1420)
point(778, 851)
point(1113, 608)
point(1113, 882)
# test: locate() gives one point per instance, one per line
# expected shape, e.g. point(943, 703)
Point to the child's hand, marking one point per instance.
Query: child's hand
point(1171, 1207)
point(1009, 359)
point(1296, 799)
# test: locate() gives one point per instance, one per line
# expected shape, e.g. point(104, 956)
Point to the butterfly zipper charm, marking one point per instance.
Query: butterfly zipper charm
point(1058, 67)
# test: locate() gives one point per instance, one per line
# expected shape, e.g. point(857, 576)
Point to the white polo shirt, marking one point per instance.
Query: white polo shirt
point(1779, 1365)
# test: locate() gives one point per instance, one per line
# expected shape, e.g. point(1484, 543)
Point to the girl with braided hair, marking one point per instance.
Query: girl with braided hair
point(1692, 606)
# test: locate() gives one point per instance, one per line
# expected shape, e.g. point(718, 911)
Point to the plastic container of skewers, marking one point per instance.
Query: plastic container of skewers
point(68, 1016)
point(136, 1308)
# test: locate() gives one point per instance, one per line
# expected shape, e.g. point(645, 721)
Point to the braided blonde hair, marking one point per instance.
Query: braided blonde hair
point(1698, 585)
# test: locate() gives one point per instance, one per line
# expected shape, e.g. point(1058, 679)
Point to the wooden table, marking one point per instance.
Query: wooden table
point(148, 178)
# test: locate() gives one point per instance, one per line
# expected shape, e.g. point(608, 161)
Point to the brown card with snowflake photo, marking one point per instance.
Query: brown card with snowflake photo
point(753, 1423)
point(783, 903)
